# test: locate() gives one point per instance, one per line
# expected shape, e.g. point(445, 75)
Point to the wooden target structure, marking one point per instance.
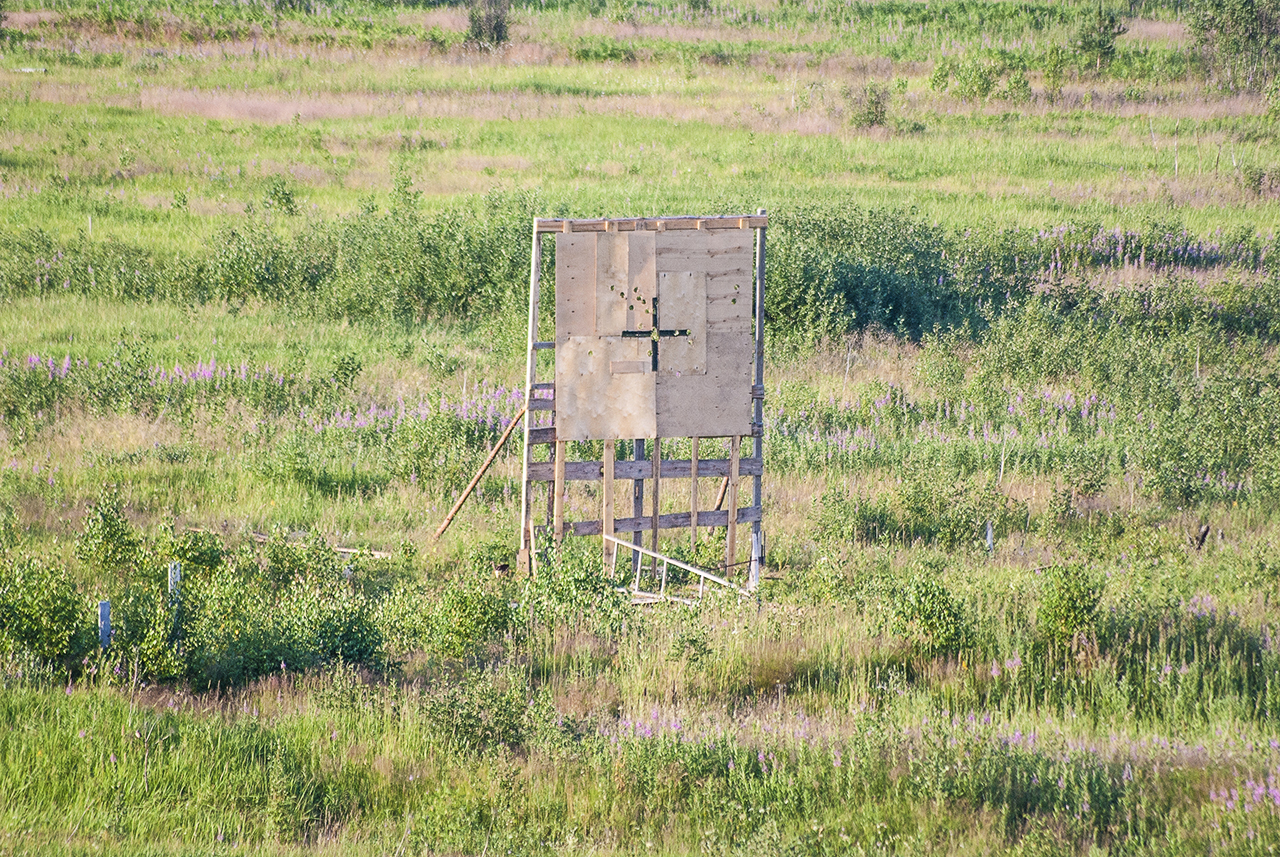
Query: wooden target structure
point(658, 342)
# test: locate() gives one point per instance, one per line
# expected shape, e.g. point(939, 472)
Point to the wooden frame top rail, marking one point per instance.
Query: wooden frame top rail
point(651, 224)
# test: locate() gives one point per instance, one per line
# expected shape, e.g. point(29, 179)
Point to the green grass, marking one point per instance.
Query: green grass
point(270, 265)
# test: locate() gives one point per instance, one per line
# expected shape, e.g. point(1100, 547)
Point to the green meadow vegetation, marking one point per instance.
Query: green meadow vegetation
point(264, 271)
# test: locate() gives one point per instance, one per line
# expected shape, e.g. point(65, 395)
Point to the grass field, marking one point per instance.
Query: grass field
point(263, 271)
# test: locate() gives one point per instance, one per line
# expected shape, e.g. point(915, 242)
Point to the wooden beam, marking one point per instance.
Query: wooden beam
point(669, 521)
point(657, 480)
point(531, 379)
point(541, 436)
point(607, 514)
point(731, 539)
point(652, 224)
point(693, 496)
point(558, 487)
point(475, 480)
point(593, 471)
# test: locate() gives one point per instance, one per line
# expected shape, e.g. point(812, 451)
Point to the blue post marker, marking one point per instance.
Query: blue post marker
point(104, 624)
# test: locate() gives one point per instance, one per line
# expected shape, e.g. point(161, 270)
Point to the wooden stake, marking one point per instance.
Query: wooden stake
point(731, 541)
point(558, 501)
point(607, 515)
point(693, 497)
point(530, 378)
point(657, 479)
point(475, 480)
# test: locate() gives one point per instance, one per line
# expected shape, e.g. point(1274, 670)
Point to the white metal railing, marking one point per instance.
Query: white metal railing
point(704, 576)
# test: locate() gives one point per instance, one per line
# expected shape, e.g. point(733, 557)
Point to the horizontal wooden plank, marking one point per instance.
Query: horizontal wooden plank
point(543, 346)
point(574, 471)
point(544, 385)
point(653, 224)
point(591, 471)
point(542, 435)
point(674, 521)
point(542, 404)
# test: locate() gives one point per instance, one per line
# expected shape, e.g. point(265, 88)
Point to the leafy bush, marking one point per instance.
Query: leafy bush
point(467, 616)
point(488, 22)
point(841, 518)
point(1069, 605)
point(871, 106)
point(1240, 40)
point(237, 628)
point(42, 614)
point(108, 542)
point(976, 79)
point(928, 615)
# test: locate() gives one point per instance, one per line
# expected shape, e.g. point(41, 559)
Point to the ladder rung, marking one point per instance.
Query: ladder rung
point(543, 346)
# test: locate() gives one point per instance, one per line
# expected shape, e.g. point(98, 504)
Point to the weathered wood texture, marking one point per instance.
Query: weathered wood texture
point(592, 471)
point(672, 521)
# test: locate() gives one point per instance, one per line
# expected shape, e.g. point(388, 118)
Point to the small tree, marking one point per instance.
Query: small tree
point(489, 22)
point(1096, 38)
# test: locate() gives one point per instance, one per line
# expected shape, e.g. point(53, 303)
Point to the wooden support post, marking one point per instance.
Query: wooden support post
point(530, 378)
point(693, 496)
point(475, 480)
point(731, 540)
point(558, 500)
point(607, 515)
point(757, 404)
point(657, 480)
point(637, 510)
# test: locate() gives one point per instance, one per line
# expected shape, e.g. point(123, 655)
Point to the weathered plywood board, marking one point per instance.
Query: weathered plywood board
point(592, 401)
point(642, 278)
point(575, 285)
point(726, 251)
point(607, 282)
point(682, 305)
point(715, 404)
point(626, 281)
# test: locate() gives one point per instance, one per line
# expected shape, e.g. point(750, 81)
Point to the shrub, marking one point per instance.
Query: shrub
point(1239, 39)
point(928, 615)
point(976, 79)
point(871, 107)
point(841, 518)
point(42, 614)
point(239, 625)
point(488, 22)
point(468, 617)
point(1069, 605)
point(108, 542)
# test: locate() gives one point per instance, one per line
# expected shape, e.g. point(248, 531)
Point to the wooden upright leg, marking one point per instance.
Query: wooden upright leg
point(731, 541)
point(693, 497)
point(558, 500)
point(657, 480)
point(607, 517)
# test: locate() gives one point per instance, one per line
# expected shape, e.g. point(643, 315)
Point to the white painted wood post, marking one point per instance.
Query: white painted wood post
point(104, 624)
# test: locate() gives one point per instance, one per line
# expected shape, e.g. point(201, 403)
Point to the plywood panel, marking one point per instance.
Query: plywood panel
point(682, 305)
point(575, 285)
point(729, 298)
point(612, 264)
point(717, 404)
point(720, 252)
point(642, 279)
point(593, 402)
